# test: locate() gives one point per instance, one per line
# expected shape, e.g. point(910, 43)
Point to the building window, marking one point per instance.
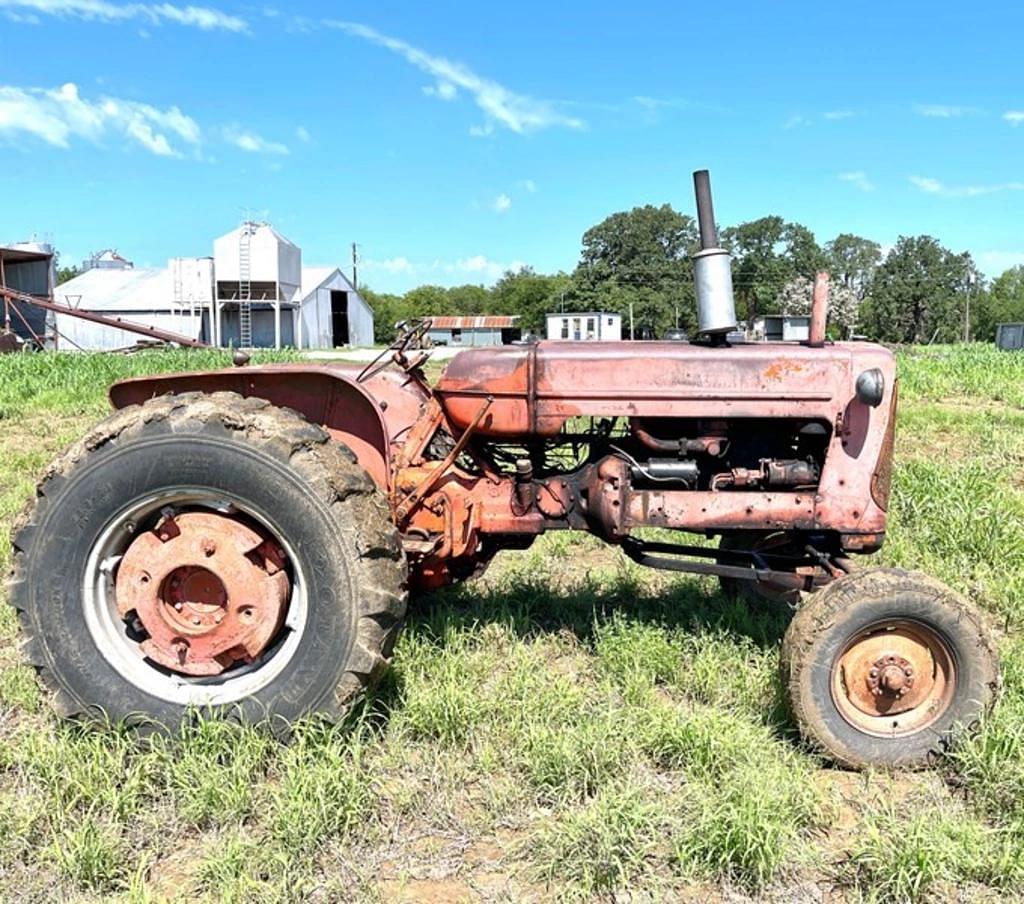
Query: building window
point(591, 327)
point(565, 327)
point(610, 321)
point(456, 337)
point(576, 329)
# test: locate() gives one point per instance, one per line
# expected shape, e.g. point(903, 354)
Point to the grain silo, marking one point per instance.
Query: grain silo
point(258, 273)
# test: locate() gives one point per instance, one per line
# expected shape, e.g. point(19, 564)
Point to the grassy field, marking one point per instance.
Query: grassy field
point(570, 727)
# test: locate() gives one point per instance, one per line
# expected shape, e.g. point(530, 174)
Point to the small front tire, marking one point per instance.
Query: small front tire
point(883, 667)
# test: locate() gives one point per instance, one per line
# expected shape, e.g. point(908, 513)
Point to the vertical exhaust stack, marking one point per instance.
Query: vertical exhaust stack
point(712, 269)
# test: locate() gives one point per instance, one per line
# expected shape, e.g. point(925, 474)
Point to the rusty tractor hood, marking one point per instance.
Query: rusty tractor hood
point(536, 388)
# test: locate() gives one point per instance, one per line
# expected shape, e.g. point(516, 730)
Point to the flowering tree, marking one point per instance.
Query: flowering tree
point(843, 303)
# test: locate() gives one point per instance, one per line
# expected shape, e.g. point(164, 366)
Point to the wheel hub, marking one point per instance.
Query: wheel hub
point(894, 678)
point(208, 589)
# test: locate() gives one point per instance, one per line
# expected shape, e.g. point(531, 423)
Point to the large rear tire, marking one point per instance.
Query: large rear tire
point(316, 550)
point(884, 667)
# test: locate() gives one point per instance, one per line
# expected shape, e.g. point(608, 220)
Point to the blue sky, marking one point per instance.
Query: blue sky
point(451, 140)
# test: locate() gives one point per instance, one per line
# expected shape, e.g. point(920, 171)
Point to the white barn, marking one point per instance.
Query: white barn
point(253, 292)
point(332, 313)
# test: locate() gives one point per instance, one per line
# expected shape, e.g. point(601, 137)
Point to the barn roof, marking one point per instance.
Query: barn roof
point(144, 288)
point(483, 322)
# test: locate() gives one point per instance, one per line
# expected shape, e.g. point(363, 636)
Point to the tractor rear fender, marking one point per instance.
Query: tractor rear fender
point(350, 411)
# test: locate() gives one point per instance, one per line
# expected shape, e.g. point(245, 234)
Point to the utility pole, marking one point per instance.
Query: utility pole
point(967, 308)
point(355, 266)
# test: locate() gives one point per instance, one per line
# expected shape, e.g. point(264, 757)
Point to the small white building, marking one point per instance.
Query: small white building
point(254, 292)
point(781, 328)
point(591, 326)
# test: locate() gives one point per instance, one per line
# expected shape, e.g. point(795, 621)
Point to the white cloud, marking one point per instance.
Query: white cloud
point(944, 111)
point(58, 115)
point(1014, 117)
point(995, 262)
point(529, 185)
point(796, 120)
point(476, 267)
point(859, 179)
point(251, 142)
point(932, 186)
point(517, 112)
point(502, 203)
point(302, 133)
point(838, 114)
point(201, 17)
point(389, 265)
point(442, 90)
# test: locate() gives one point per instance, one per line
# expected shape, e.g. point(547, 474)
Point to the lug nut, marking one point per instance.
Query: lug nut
point(208, 546)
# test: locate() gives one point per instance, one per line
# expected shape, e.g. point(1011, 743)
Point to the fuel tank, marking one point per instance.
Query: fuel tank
point(536, 388)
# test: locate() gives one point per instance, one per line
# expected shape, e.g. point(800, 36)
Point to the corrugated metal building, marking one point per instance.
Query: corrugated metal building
point(141, 295)
point(27, 267)
point(254, 284)
point(332, 312)
point(474, 331)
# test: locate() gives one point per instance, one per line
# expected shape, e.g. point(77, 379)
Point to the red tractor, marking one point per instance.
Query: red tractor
point(244, 540)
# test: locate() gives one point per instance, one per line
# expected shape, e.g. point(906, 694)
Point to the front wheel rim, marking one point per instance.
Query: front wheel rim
point(121, 637)
point(894, 678)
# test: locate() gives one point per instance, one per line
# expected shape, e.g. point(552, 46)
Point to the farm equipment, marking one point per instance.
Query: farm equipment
point(244, 540)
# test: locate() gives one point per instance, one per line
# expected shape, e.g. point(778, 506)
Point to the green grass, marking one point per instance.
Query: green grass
point(571, 727)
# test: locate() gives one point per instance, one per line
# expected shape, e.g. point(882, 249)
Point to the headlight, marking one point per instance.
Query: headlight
point(871, 387)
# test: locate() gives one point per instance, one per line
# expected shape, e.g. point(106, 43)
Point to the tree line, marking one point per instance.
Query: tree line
point(918, 291)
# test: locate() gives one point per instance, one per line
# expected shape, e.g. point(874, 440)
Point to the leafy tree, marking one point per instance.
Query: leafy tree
point(469, 300)
point(767, 254)
point(388, 309)
point(919, 293)
point(639, 257)
point(530, 295)
point(852, 261)
point(1002, 303)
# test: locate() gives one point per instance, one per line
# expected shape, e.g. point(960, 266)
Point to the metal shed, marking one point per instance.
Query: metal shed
point(26, 267)
point(1010, 336)
point(474, 331)
point(332, 313)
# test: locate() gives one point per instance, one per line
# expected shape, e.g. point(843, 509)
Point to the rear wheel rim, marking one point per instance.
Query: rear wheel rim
point(121, 635)
point(894, 678)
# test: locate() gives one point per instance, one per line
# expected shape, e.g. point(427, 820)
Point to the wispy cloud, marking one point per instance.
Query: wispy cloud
point(859, 179)
point(302, 133)
point(202, 17)
point(251, 142)
point(995, 262)
point(59, 115)
point(529, 185)
point(501, 204)
point(932, 186)
point(944, 111)
point(517, 112)
point(1014, 117)
point(801, 119)
point(478, 266)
